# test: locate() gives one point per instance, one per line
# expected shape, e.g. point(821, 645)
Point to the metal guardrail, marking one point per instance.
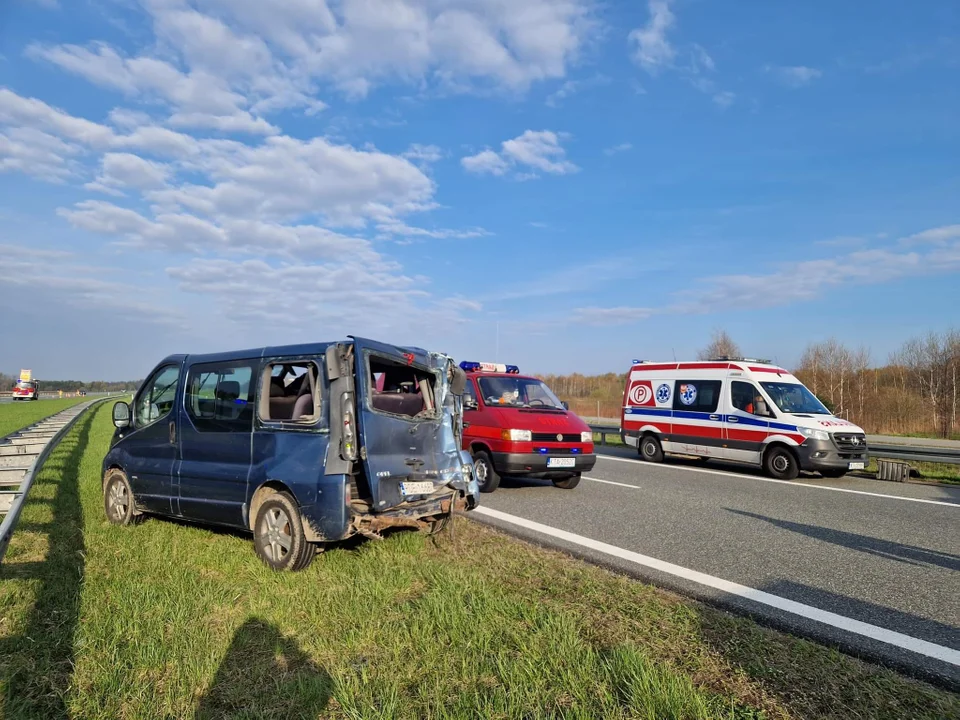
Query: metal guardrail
point(888, 450)
point(72, 415)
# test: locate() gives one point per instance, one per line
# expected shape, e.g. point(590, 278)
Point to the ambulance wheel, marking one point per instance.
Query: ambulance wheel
point(567, 483)
point(781, 463)
point(650, 449)
point(487, 477)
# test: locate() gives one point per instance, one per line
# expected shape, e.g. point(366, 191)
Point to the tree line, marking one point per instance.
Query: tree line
point(915, 392)
point(8, 381)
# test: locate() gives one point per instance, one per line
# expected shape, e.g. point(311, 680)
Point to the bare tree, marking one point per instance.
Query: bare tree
point(932, 364)
point(721, 345)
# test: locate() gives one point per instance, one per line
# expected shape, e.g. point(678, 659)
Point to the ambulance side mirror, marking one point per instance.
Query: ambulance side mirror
point(566, 405)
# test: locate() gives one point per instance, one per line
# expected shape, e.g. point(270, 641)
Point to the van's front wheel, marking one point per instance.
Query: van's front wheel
point(487, 477)
point(781, 464)
point(567, 483)
point(278, 535)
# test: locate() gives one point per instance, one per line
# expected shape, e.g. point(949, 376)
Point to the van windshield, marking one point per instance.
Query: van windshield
point(794, 398)
point(518, 392)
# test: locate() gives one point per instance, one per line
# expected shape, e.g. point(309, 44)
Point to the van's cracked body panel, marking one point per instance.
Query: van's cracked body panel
point(314, 462)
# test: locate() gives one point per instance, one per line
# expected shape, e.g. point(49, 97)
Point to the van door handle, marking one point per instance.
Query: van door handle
point(732, 418)
point(173, 433)
point(714, 417)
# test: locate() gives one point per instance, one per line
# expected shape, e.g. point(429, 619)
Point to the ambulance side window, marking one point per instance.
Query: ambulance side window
point(746, 397)
point(697, 395)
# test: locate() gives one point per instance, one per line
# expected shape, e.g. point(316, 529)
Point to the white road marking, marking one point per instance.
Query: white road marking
point(791, 483)
point(610, 482)
point(890, 637)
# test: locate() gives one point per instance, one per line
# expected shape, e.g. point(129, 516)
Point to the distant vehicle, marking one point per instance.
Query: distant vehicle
point(82, 393)
point(738, 409)
point(301, 445)
point(26, 390)
point(515, 425)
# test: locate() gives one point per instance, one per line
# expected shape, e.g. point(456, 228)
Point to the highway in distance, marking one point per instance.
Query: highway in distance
point(871, 566)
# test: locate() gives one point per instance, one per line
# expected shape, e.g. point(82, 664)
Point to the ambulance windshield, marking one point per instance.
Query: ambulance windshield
point(794, 398)
point(518, 392)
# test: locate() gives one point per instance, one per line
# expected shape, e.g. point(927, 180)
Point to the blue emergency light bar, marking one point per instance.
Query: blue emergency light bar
point(489, 367)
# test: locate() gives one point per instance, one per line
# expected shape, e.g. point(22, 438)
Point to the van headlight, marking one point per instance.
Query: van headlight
point(586, 436)
point(814, 434)
point(515, 435)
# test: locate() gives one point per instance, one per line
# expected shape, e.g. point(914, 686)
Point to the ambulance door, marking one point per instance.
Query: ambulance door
point(746, 422)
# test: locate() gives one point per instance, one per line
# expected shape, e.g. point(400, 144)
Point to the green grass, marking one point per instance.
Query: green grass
point(929, 436)
point(170, 620)
point(18, 415)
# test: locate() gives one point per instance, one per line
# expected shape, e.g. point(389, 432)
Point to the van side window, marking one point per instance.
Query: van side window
point(400, 389)
point(156, 397)
point(747, 398)
point(697, 395)
point(290, 392)
point(219, 397)
point(469, 396)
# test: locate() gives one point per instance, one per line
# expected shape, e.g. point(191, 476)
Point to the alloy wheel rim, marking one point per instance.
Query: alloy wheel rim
point(275, 530)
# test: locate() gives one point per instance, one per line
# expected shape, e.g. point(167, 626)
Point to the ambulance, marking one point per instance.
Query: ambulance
point(514, 425)
point(738, 409)
point(26, 388)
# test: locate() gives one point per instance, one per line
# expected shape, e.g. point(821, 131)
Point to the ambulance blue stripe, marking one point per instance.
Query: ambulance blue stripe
point(710, 417)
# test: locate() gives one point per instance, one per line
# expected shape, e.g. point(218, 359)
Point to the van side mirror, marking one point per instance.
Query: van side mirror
point(458, 381)
point(566, 405)
point(470, 403)
point(121, 415)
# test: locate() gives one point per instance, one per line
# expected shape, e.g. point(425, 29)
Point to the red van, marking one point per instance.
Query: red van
point(515, 425)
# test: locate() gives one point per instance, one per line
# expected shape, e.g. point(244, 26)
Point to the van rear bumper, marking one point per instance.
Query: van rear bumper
point(535, 464)
point(824, 455)
point(419, 514)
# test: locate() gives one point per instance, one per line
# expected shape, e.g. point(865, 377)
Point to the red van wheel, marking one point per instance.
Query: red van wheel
point(487, 477)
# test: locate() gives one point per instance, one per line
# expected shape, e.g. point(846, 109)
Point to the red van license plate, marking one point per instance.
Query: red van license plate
point(561, 462)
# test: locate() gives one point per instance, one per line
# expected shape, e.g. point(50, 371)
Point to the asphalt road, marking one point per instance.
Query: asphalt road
point(879, 553)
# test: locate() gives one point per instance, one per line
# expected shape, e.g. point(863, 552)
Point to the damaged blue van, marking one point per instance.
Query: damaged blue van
point(301, 445)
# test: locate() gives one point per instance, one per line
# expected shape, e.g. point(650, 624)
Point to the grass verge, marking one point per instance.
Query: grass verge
point(170, 620)
point(18, 415)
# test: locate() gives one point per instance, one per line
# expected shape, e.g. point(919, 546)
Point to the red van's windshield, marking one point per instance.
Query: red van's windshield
point(518, 392)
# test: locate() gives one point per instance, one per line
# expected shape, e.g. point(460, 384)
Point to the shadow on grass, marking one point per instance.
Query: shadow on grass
point(35, 666)
point(265, 674)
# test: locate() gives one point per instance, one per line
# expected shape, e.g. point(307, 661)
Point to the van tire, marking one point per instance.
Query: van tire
point(118, 501)
point(650, 449)
point(567, 483)
point(277, 518)
point(487, 476)
point(780, 463)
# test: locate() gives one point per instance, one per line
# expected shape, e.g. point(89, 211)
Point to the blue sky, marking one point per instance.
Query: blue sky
point(562, 184)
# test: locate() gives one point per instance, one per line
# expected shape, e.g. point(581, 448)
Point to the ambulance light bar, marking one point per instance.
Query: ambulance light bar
point(489, 367)
point(741, 359)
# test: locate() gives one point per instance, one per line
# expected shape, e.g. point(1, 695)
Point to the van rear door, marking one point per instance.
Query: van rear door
point(401, 421)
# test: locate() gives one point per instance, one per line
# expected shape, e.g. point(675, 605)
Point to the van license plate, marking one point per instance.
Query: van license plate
point(561, 462)
point(416, 488)
point(856, 466)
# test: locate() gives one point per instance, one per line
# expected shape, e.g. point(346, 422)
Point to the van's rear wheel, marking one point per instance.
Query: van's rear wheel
point(650, 449)
point(487, 477)
point(567, 483)
point(278, 536)
point(781, 464)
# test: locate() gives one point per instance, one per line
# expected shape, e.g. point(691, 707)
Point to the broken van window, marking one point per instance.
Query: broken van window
point(400, 389)
point(290, 392)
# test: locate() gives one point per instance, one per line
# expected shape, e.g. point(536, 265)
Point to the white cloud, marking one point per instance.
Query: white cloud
point(802, 281)
point(622, 147)
point(29, 112)
point(423, 154)
point(572, 87)
point(39, 154)
point(724, 98)
point(794, 75)
point(531, 151)
point(486, 161)
point(651, 48)
point(124, 170)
